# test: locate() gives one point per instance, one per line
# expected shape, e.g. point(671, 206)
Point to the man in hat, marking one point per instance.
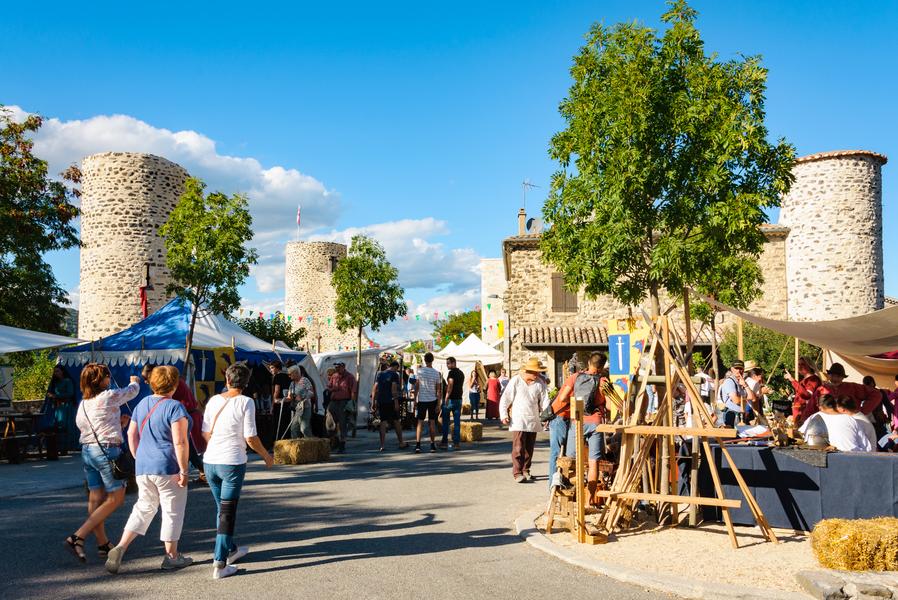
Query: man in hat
point(805, 387)
point(868, 399)
point(525, 396)
point(343, 386)
point(735, 394)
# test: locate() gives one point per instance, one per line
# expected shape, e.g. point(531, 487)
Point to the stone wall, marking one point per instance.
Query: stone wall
point(834, 249)
point(309, 292)
point(126, 197)
point(492, 310)
point(773, 301)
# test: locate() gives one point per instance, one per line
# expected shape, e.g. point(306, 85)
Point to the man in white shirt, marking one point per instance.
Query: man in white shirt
point(844, 431)
point(848, 406)
point(524, 398)
point(427, 390)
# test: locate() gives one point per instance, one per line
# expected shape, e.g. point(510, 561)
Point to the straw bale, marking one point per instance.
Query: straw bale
point(471, 431)
point(857, 544)
point(302, 451)
point(465, 409)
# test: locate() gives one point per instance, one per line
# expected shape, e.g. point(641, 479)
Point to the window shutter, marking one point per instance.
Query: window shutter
point(570, 304)
point(558, 299)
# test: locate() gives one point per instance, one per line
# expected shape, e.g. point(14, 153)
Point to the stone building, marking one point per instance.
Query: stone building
point(125, 198)
point(309, 293)
point(837, 196)
point(492, 304)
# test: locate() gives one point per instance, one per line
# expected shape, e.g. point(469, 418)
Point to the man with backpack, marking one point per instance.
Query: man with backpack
point(735, 394)
point(588, 386)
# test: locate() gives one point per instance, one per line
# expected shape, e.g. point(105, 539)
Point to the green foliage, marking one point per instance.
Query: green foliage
point(764, 346)
point(367, 286)
point(665, 167)
point(31, 373)
point(205, 245)
point(416, 347)
point(273, 329)
point(37, 215)
point(456, 328)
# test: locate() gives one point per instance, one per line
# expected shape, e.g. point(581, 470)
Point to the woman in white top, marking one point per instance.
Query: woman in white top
point(302, 393)
point(98, 418)
point(229, 425)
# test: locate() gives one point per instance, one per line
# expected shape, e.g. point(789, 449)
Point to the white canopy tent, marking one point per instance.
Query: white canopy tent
point(13, 339)
point(466, 355)
point(370, 362)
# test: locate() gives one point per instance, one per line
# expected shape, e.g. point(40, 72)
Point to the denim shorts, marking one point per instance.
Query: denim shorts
point(595, 442)
point(98, 470)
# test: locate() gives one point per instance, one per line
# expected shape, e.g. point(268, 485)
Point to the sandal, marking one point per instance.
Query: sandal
point(103, 549)
point(75, 545)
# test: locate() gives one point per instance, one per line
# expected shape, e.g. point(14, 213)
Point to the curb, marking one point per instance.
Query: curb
point(525, 525)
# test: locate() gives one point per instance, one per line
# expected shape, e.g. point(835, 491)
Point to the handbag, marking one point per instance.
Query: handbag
point(123, 466)
point(548, 414)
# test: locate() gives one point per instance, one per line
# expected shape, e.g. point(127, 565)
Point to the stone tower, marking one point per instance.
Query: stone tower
point(125, 198)
point(834, 248)
point(309, 292)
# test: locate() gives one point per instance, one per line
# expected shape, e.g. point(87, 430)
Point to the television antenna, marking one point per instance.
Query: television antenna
point(525, 185)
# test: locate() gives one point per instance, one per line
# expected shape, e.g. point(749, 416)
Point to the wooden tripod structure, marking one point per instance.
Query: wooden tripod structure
point(638, 478)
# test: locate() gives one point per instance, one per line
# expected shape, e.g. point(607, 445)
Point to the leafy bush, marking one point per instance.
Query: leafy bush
point(31, 373)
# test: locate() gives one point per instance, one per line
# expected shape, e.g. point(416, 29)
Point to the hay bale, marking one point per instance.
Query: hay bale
point(466, 409)
point(471, 431)
point(857, 544)
point(301, 452)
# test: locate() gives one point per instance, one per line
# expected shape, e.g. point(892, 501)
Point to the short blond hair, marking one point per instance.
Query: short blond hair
point(164, 380)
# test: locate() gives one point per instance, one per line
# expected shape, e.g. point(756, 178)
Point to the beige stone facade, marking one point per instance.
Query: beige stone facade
point(834, 248)
point(126, 197)
point(492, 310)
point(309, 292)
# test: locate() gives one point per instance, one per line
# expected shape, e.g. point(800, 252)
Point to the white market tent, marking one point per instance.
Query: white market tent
point(370, 362)
point(466, 355)
point(446, 351)
point(13, 339)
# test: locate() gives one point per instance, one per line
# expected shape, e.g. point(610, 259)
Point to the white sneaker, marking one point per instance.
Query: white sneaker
point(222, 572)
point(237, 554)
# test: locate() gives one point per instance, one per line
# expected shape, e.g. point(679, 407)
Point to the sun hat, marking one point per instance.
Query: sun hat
point(534, 364)
point(836, 369)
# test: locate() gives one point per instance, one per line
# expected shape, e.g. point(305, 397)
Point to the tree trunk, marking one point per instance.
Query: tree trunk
point(714, 360)
point(189, 344)
point(358, 357)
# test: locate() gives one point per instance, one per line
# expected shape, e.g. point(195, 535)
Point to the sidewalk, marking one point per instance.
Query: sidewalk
point(35, 476)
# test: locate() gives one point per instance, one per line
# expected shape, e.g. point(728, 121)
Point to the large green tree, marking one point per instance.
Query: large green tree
point(37, 213)
point(666, 169)
point(206, 251)
point(456, 327)
point(276, 329)
point(368, 290)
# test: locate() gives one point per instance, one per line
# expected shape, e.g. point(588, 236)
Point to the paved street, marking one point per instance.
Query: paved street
point(365, 525)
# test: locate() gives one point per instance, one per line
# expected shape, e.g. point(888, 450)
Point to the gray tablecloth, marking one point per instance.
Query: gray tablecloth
point(796, 495)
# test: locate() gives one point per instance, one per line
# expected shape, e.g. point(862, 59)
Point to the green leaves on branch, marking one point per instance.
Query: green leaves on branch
point(367, 287)
point(206, 240)
point(457, 327)
point(276, 329)
point(37, 214)
point(665, 167)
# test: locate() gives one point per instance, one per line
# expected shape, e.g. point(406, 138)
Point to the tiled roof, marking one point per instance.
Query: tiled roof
point(841, 154)
point(590, 336)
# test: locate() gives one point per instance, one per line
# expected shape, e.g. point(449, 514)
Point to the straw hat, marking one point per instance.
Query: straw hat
point(534, 364)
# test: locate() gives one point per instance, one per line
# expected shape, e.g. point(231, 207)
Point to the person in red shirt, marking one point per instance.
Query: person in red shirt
point(343, 388)
point(805, 389)
point(868, 399)
point(493, 393)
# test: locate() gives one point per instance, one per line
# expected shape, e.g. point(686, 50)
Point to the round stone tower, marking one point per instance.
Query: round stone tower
point(834, 248)
point(125, 198)
point(309, 292)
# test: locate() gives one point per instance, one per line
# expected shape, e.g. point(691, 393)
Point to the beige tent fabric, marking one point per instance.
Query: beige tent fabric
point(873, 333)
point(882, 370)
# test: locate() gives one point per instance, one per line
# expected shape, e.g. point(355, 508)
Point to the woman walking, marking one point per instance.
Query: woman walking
point(474, 386)
point(229, 425)
point(302, 393)
point(157, 437)
point(493, 393)
point(101, 438)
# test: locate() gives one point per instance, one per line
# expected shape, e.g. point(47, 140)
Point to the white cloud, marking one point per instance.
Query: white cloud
point(414, 328)
point(75, 298)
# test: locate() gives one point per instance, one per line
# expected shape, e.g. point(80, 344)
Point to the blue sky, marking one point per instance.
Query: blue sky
point(416, 118)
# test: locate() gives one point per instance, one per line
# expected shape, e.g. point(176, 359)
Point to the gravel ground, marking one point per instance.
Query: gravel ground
point(706, 554)
point(365, 525)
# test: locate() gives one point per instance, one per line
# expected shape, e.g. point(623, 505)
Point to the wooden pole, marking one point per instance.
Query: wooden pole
point(739, 347)
point(797, 344)
point(577, 416)
point(669, 466)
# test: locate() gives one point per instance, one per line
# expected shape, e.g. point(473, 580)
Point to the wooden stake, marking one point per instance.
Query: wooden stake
point(740, 350)
point(577, 416)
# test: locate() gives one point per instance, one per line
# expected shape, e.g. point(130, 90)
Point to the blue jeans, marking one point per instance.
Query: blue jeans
point(225, 481)
point(98, 470)
point(453, 406)
point(558, 431)
point(595, 443)
point(474, 398)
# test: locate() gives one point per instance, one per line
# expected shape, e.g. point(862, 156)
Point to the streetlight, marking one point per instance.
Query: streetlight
point(507, 329)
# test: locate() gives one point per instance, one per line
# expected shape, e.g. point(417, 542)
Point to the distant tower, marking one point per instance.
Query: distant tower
point(834, 248)
point(125, 198)
point(309, 292)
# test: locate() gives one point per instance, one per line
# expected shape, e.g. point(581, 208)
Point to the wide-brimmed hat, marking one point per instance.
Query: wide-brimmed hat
point(750, 364)
point(534, 364)
point(836, 369)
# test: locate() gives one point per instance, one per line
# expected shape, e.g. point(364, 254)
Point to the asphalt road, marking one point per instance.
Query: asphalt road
point(365, 525)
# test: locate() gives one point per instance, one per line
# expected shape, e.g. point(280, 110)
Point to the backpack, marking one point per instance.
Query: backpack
point(586, 386)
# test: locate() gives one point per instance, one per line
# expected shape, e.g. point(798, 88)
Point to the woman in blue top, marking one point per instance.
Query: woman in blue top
point(157, 438)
